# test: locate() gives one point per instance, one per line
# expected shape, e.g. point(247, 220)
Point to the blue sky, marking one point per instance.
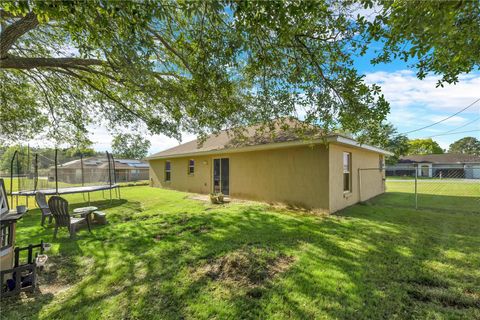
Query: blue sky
point(417, 103)
point(414, 104)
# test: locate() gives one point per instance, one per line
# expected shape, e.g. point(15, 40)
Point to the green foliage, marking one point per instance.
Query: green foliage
point(468, 145)
point(77, 152)
point(424, 146)
point(45, 159)
point(202, 66)
point(20, 165)
point(182, 66)
point(130, 146)
point(439, 37)
point(388, 139)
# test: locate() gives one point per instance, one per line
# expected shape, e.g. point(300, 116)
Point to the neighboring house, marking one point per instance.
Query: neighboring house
point(275, 166)
point(447, 165)
point(96, 169)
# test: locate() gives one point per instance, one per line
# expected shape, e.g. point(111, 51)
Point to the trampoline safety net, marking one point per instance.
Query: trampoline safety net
point(58, 174)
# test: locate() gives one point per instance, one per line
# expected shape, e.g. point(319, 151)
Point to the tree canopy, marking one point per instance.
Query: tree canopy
point(174, 66)
point(130, 146)
point(468, 145)
point(389, 139)
point(439, 37)
point(424, 146)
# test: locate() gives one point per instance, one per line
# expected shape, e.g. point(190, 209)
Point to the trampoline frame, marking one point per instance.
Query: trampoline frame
point(112, 185)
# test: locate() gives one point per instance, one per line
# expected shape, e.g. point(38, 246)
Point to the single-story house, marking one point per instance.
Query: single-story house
point(446, 165)
point(96, 169)
point(274, 165)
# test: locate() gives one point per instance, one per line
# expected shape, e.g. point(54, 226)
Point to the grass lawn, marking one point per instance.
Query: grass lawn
point(43, 183)
point(164, 256)
point(449, 195)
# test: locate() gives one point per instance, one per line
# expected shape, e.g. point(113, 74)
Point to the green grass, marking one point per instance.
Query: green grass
point(28, 184)
point(163, 256)
point(446, 195)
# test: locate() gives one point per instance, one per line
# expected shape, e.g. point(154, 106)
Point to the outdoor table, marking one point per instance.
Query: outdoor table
point(85, 212)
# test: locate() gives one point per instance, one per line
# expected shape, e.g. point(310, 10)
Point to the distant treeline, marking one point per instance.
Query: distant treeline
point(46, 157)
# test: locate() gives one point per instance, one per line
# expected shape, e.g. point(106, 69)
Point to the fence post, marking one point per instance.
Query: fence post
point(416, 187)
point(56, 171)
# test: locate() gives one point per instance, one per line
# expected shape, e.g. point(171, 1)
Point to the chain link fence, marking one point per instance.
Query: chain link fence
point(424, 186)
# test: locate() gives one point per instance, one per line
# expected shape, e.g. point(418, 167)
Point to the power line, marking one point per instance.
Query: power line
point(445, 119)
point(452, 133)
point(462, 126)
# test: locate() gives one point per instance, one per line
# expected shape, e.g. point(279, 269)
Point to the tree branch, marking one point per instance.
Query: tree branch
point(170, 48)
point(44, 91)
point(319, 69)
point(104, 92)
point(14, 31)
point(16, 62)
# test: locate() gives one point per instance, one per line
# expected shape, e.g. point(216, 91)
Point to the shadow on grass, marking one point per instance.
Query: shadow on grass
point(364, 263)
point(446, 203)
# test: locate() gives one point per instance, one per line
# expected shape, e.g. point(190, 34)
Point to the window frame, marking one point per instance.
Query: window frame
point(349, 172)
point(191, 167)
point(168, 170)
point(9, 238)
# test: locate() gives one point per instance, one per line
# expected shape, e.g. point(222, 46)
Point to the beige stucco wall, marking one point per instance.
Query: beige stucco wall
point(199, 182)
point(305, 176)
point(295, 176)
point(370, 184)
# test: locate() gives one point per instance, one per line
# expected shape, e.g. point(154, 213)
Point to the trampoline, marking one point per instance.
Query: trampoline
point(38, 173)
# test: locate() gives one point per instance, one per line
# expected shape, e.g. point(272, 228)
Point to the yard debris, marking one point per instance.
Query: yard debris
point(248, 266)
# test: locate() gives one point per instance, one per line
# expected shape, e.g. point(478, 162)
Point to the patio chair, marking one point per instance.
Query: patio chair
point(59, 209)
point(42, 204)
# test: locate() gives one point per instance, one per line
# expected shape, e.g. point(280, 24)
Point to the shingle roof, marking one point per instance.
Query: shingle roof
point(445, 158)
point(282, 130)
point(279, 131)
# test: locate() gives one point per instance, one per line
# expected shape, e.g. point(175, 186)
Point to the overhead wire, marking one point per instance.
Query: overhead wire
point(452, 133)
point(443, 120)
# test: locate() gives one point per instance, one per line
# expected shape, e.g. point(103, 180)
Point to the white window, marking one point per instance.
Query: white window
point(347, 172)
point(191, 166)
point(167, 171)
point(5, 236)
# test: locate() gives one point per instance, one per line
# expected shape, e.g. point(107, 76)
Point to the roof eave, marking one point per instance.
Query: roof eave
point(329, 139)
point(350, 142)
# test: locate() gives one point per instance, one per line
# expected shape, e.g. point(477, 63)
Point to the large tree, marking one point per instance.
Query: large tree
point(424, 146)
point(192, 66)
point(21, 162)
point(439, 37)
point(130, 146)
point(468, 145)
point(387, 138)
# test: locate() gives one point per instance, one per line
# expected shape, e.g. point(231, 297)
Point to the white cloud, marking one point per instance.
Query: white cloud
point(402, 88)
point(102, 140)
point(417, 103)
point(455, 120)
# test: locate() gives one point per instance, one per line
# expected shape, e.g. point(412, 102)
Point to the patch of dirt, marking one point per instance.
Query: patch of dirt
point(249, 266)
point(57, 275)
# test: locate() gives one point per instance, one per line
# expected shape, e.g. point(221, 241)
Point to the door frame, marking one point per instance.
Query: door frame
point(213, 175)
